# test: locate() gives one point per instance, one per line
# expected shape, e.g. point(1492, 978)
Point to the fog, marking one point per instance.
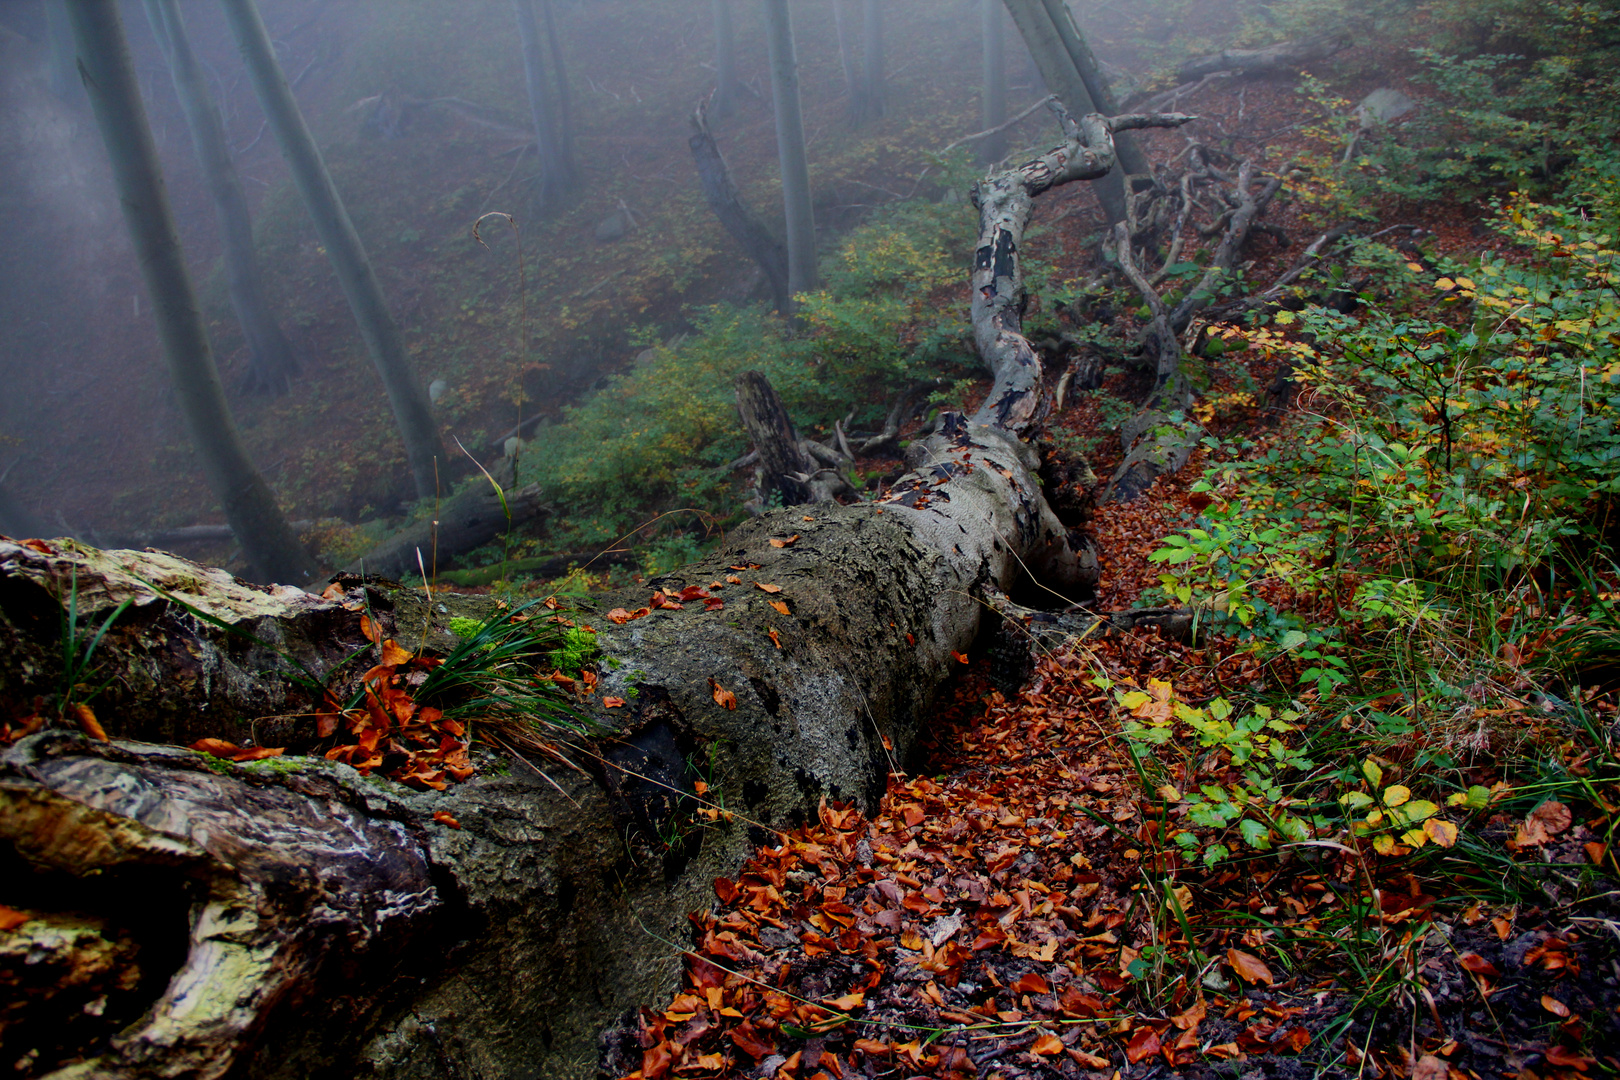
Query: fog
point(422, 115)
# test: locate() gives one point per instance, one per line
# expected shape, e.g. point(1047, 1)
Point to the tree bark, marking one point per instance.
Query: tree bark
point(745, 227)
point(846, 60)
point(1063, 79)
point(271, 361)
point(993, 102)
point(406, 395)
point(801, 222)
point(727, 86)
point(249, 505)
point(495, 928)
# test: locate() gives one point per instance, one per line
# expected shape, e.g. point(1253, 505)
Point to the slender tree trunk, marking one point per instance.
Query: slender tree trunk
point(1062, 78)
point(64, 77)
point(406, 395)
point(725, 60)
point(993, 105)
point(556, 166)
point(801, 223)
point(872, 58)
point(745, 227)
point(565, 96)
point(250, 507)
point(846, 59)
point(1131, 158)
point(271, 360)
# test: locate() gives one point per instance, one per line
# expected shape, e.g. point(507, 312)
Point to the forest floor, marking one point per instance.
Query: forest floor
point(1019, 906)
point(1015, 907)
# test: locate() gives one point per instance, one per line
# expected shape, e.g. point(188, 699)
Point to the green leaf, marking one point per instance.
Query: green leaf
point(1256, 835)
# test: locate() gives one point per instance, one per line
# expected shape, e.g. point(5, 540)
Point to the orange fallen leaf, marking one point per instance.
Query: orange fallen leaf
point(1248, 967)
point(1031, 983)
point(776, 639)
point(723, 697)
point(960, 658)
point(216, 747)
point(1144, 1044)
point(849, 1001)
point(618, 615)
point(88, 722)
point(765, 587)
point(612, 702)
point(394, 655)
point(1554, 1006)
point(369, 629)
point(1564, 1059)
point(1047, 1045)
point(788, 542)
point(444, 817)
point(11, 918)
point(779, 606)
point(1478, 965)
point(258, 753)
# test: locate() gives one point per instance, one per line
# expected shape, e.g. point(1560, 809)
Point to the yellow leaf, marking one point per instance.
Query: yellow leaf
point(1396, 794)
point(1442, 832)
point(1415, 837)
point(1445, 283)
point(1374, 775)
point(1384, 844)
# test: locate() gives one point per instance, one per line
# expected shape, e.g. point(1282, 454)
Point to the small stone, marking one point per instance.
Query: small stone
point(437, 389)
point(1383, 106)
point(611, 228)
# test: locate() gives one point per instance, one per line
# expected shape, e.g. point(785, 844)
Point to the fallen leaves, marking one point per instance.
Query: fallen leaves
point(723, 697)
point(231, 752)
point(1249, 968)
point(1542, 824)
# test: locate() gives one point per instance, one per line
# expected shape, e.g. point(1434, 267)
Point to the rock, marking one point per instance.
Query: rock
point(437, 389)
point(611, 228)
point(1383, 106)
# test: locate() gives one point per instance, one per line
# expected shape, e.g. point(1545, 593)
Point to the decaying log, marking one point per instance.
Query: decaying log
point(1285, 55)
point(756, 238)
point(323, 923)
point(470, 519)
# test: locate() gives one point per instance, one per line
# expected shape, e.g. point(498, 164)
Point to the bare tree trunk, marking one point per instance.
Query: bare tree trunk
point(565, 93)
point(993, 102)
point(846, 59)
point(801, 222)
point(745, 227)
point(1063, 79)
point(271, 363)
point(557, 177)
point(727, 87)
point(1131, 158)
point(109, 77)
point(406, 395)
point(872, 59)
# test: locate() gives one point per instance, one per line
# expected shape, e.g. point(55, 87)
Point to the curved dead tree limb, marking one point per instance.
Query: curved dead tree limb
point(1285, 55)
point(1005, 202)
point(1158, 439)
point(1250, 205)
point(756, 238)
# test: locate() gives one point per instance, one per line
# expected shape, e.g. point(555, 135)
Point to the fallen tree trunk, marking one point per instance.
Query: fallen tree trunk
point(1284, 55)
point(306, 920)
point(476, 516)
